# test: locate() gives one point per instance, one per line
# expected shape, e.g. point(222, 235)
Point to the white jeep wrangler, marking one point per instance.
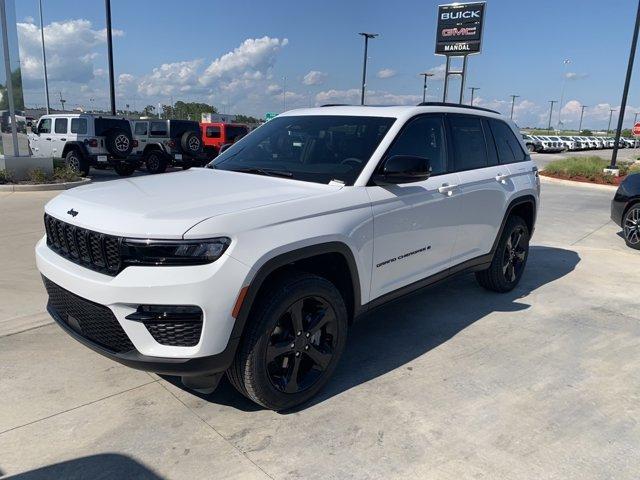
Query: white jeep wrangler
point(257, 265)
point(85, 140)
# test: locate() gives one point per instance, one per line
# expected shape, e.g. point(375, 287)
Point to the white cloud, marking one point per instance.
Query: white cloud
point(252, 60)
point(314, 77)
point(438, 72)
point(170, 78)
point(575, 76)
point(71, 50)
point(386, 73)
point(274, 88)
point(373, 97)
point(125, 79)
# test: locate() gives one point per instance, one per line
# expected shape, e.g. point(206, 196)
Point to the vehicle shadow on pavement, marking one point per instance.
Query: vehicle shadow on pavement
point(107, 466)
point(429, 317)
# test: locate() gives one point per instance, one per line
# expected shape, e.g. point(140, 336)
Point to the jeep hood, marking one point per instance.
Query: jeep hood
point(167, 205)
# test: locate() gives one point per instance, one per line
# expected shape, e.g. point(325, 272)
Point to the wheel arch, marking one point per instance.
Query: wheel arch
point(524, 206)
point(332, 260)
point(79, 146)
point(151, 147)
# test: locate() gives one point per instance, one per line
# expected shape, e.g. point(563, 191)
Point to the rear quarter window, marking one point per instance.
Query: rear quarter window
point(158, 129)
point(509, 148)
point(79, 126)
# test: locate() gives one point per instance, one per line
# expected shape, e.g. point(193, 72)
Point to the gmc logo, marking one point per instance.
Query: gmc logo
point(458, 15)
point(459, 32)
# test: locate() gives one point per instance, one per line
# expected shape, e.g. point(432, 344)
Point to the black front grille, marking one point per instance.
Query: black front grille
point(93, 250)
point(92, 321)
point(175, 334)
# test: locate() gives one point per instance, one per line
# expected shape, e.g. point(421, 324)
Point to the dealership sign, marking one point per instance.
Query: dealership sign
point(459, 29)
point(636, 129)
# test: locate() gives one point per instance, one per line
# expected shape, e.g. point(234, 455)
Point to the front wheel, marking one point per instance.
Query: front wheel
point(509, 259)
point(631, 227)
point(296, 335)
point(531, 148)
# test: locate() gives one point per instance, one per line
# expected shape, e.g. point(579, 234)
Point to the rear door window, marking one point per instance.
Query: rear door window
point(508, 146)
point(60, 125)
point(158, 129)
point(140, 128)
point(469, 147)
point(79, 126)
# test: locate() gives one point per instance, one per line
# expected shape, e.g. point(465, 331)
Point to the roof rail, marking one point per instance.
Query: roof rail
point(455, 105)
point(336, 105)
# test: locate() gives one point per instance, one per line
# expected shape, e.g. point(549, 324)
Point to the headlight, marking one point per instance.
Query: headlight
point(172, 252)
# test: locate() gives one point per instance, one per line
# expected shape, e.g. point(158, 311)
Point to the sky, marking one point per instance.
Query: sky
point(240, 56)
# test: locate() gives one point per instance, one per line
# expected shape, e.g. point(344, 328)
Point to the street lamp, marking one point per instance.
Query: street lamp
point(551, 113)
point(424, 86)
point(611, 110)
point(112, 90)
point(284, 94)
point(581, 115)
point(473, 90)
point(366, 36)
point(564, 82)
point(625, 90)
point(513, 102)
point(44, 62)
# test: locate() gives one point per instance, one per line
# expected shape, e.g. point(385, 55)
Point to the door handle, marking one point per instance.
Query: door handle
point(48, 139)
point(446, 189)
point(63, 139)
point(501, 178)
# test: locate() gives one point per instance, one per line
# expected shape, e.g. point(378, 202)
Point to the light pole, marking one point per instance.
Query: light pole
point(112, 88)
point(564, 83)
point(473, 91)
point(625, 91)
point(611, 110)
point(635, 119)
point(44, 61)
point(284, 94)
point(366, 36)
point(513, 102)
point(551, 113)
point(424, 86)
point(581, 115)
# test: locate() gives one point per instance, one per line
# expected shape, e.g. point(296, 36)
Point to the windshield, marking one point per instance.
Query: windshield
point(311, 148)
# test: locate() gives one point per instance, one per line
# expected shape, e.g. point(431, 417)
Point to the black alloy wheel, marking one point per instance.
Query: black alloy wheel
point(514, 255)
point(631, 227)
point(301, 345)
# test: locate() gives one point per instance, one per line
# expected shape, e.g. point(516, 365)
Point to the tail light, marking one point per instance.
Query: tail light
point(135, 143)
point(171, 144)
point(92, 142)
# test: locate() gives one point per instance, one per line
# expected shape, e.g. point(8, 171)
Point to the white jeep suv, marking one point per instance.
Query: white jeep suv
point(85, 140)
point(257, 265)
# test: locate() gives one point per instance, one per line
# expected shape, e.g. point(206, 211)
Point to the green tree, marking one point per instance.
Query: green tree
point(191, 110)
point(247, 119)
point(149, 111)
point(627, 132)
point(586, 133)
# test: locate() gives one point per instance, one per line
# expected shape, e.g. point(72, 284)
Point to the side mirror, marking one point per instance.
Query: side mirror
point(34, 129)
point(403, 169)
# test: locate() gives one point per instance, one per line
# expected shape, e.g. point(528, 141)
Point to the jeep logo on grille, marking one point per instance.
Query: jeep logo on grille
point(72, 212)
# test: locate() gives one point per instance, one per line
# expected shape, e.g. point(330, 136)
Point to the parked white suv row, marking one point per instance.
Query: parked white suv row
point(257, 265)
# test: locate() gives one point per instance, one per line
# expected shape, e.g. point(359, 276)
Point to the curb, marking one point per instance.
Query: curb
point(44, 187)
point(572, 183)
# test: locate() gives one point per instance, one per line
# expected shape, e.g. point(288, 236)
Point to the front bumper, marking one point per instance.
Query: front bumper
point(213, 287)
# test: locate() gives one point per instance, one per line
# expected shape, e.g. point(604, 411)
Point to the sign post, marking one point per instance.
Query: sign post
point(459, 34)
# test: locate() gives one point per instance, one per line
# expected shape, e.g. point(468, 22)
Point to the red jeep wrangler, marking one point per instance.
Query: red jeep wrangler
point(217, 134)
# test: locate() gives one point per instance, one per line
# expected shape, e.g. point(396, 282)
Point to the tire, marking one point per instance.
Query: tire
point(155, 162)
point(76, 161)
point(124, 169)
point(119, 143)
point(276, 346)
point(631, 227)
point(531, 147)
point(191, 143)
point(509, 259)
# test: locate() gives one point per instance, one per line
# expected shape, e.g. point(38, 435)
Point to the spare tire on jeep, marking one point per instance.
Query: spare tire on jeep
point(119, 143)
point(191, 143)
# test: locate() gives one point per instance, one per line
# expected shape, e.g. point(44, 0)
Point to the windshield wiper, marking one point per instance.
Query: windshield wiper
point(265, 172)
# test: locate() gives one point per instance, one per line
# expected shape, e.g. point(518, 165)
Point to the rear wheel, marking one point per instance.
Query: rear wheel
point(631, 227)
point(509, 258)
point(124, 169)
point(155, 162)
point(293, 342)
point(77, 162)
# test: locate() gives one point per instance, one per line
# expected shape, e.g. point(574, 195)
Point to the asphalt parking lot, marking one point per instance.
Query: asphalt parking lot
point(452, 382)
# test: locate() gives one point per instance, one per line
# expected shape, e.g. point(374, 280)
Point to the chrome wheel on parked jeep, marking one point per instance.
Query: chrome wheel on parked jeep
point(122, 143)
point(76, 162)
point(292, 342)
